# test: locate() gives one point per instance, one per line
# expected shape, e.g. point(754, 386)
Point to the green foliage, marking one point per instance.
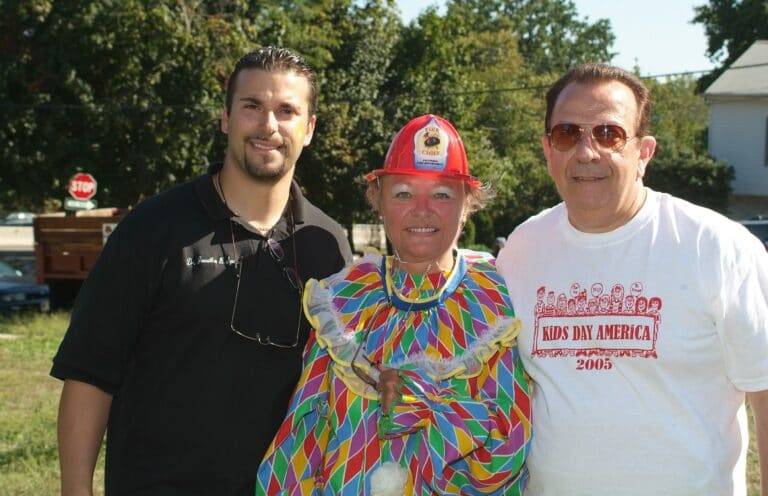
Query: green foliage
point(474, 66)
point(132, 92)
point(128, 90)
point(353, 132)
point(682, 165)
point(553, 39)
point(679, 115)
point(693, 176)
point(468, 234)
point(731, 27)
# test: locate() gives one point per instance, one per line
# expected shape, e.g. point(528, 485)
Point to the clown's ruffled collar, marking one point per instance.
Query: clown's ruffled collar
point(414, 292)
point(445, 324)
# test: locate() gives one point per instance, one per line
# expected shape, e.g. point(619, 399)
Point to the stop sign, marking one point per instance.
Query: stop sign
point(82, 186)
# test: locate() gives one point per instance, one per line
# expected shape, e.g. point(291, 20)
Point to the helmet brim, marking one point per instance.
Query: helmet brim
point(466, 178)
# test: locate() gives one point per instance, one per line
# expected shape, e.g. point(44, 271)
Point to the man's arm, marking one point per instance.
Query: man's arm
point(759, 402)
point(83, 414)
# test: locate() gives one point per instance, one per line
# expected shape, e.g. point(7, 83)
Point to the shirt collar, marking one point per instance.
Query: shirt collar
point(217, 210)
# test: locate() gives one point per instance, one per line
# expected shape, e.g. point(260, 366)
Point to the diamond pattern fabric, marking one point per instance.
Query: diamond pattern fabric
point(462, 422)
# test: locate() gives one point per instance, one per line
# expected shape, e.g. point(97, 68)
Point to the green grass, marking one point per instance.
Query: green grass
point(29, 399)
point(28, 402)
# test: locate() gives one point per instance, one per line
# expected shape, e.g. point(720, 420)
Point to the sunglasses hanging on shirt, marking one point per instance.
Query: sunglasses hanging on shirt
point(289, 273)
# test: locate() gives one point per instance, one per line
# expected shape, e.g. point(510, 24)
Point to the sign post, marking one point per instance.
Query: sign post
point(82, 189)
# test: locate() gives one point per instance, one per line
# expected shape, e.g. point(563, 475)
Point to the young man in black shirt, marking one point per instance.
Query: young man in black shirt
point(185, 341)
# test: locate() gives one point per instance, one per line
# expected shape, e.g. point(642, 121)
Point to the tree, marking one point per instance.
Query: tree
point(129, 90)
point(697, 178)
point(551, 36)
point(132, 91)
point(682, 166)
point(679, 115)
point(352, 132)
point(466, 66)
point(731, 27)
point(136, 94)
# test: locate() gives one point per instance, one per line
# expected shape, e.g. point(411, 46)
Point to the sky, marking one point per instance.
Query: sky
point(656, 35)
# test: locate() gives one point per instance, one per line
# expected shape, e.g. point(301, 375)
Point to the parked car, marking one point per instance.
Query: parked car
point(759, 227)
point(19, 293)
point(19, 219)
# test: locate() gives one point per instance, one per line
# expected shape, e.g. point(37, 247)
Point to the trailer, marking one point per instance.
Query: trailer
point(66, 248)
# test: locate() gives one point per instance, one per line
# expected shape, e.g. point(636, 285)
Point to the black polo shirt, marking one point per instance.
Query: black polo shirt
point(195, 405)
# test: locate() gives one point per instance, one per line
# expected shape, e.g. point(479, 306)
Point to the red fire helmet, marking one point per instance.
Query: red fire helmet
point(427, 145)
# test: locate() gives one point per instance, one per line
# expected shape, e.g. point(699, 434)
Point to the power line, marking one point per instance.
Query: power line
point(197, 106)
point(705, 71)
point(650, 76)
point(499, 90)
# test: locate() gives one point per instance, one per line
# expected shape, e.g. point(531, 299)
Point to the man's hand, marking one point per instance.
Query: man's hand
point(83, 414)
point(759, 402)
point(389, 387)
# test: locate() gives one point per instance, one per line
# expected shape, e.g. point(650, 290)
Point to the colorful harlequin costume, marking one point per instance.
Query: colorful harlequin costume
point(462, 425)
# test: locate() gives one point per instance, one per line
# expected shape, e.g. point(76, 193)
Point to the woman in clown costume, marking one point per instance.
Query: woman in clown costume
point(412, 384)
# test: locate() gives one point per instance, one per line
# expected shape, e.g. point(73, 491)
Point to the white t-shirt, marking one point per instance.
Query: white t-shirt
point(641, 343)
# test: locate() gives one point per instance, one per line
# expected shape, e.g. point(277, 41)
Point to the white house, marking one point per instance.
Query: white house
point(738, 128)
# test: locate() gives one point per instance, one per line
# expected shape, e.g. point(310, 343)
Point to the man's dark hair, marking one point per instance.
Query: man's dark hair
point(603, 73)
point(273, 59)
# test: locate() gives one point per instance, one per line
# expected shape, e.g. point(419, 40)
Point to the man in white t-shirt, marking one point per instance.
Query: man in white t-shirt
point(640, 383)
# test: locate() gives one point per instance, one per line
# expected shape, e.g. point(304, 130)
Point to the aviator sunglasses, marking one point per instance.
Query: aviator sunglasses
point(607, 136)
